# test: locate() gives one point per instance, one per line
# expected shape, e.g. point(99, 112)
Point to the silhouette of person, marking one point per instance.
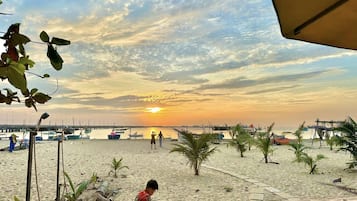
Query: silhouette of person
point(160, 138)
point(153, 141)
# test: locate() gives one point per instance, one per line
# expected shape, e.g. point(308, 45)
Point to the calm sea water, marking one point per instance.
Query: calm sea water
point(168, 132)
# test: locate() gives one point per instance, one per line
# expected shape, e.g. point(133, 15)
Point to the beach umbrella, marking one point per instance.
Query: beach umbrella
point(327, 22)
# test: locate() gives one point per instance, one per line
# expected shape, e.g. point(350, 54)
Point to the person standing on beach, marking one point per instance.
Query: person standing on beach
point(145, 195)
point(153, 142)
point(160, 139)
point(13, 141)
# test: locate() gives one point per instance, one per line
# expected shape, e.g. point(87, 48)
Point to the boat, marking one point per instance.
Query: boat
point(71, 134)
point(221, 128)
point(114, 136)
point(116, 133)
point(73, 137)
point(136, 135)
point(280, 140)
point(4, 136)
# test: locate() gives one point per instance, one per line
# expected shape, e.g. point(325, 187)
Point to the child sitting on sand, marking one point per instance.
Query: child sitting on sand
point(146, 194)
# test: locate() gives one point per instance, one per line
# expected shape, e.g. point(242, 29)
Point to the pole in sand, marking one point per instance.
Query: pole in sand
point(29, 160)
point(58, 167)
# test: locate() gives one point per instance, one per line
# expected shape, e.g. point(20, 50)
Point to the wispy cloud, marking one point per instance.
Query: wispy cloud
point(243, 82)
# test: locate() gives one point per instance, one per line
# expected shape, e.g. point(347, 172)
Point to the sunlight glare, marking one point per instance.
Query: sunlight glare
point(154, 109)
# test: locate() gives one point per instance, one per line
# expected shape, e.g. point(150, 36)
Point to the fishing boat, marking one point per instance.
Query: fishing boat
point(136, 135)
point(116, 133)
point(72, 134)
point(221, 128)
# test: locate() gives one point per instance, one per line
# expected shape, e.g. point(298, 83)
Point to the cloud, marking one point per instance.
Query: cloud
point(243, 82)
point(271, 90)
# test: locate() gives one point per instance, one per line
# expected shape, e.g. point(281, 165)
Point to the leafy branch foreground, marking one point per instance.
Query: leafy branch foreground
point(15, 63)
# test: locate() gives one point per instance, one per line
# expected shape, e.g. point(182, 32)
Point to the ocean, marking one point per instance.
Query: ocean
point(168, 132)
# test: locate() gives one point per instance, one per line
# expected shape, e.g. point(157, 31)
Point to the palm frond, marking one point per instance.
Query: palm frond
point(348, 139)
point(195, 149)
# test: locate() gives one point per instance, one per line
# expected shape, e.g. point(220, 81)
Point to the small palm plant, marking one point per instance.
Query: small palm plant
point(76, 190)
point(348, 139)
point(263, 142)
point(298, 151)
point(240, 139)
point(331, 140)
point(311, 162)
point(298, 133)
point(196, 150)
point(298, 147)
point(117, 165)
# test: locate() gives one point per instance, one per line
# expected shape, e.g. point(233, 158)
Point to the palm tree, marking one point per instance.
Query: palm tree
point(298, 133)
point(298, 146)
point(196, 150)
point(348, 139)
point(240, 139)
point(117, 165)
point(263, 142)
point(331, 140)
point(312, 163)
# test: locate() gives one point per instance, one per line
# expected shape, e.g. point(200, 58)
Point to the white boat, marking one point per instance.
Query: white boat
point(136, 135)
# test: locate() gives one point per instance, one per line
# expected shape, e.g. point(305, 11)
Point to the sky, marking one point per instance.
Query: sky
point(198, 62)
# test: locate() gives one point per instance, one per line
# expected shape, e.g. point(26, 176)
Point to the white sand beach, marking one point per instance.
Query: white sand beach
point(226, 176)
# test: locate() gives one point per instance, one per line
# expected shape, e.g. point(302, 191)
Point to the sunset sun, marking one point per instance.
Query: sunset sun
point(154, 109)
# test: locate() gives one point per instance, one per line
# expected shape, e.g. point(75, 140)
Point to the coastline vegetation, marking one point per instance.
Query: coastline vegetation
point(348, 139)
point(297, 146)
point(240, 139)
point(263, 142)
point(116, 166)
point(195, 149)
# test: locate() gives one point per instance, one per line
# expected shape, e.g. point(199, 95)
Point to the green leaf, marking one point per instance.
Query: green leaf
point(3, 72)
point(70, 182)
point(81, 188)
point(44, 37)
point(18, 39)
point(55, 58)
point(19, 67)
point(26, 61)
point(60, 41)
point(17, 79)
point(41, 98)
point(26, 93)
point(22, 50)
point(29, 102)
point(33, 91)
point(46, 75)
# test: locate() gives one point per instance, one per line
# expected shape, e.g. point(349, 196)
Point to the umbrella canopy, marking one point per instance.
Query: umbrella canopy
point(327, 22)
